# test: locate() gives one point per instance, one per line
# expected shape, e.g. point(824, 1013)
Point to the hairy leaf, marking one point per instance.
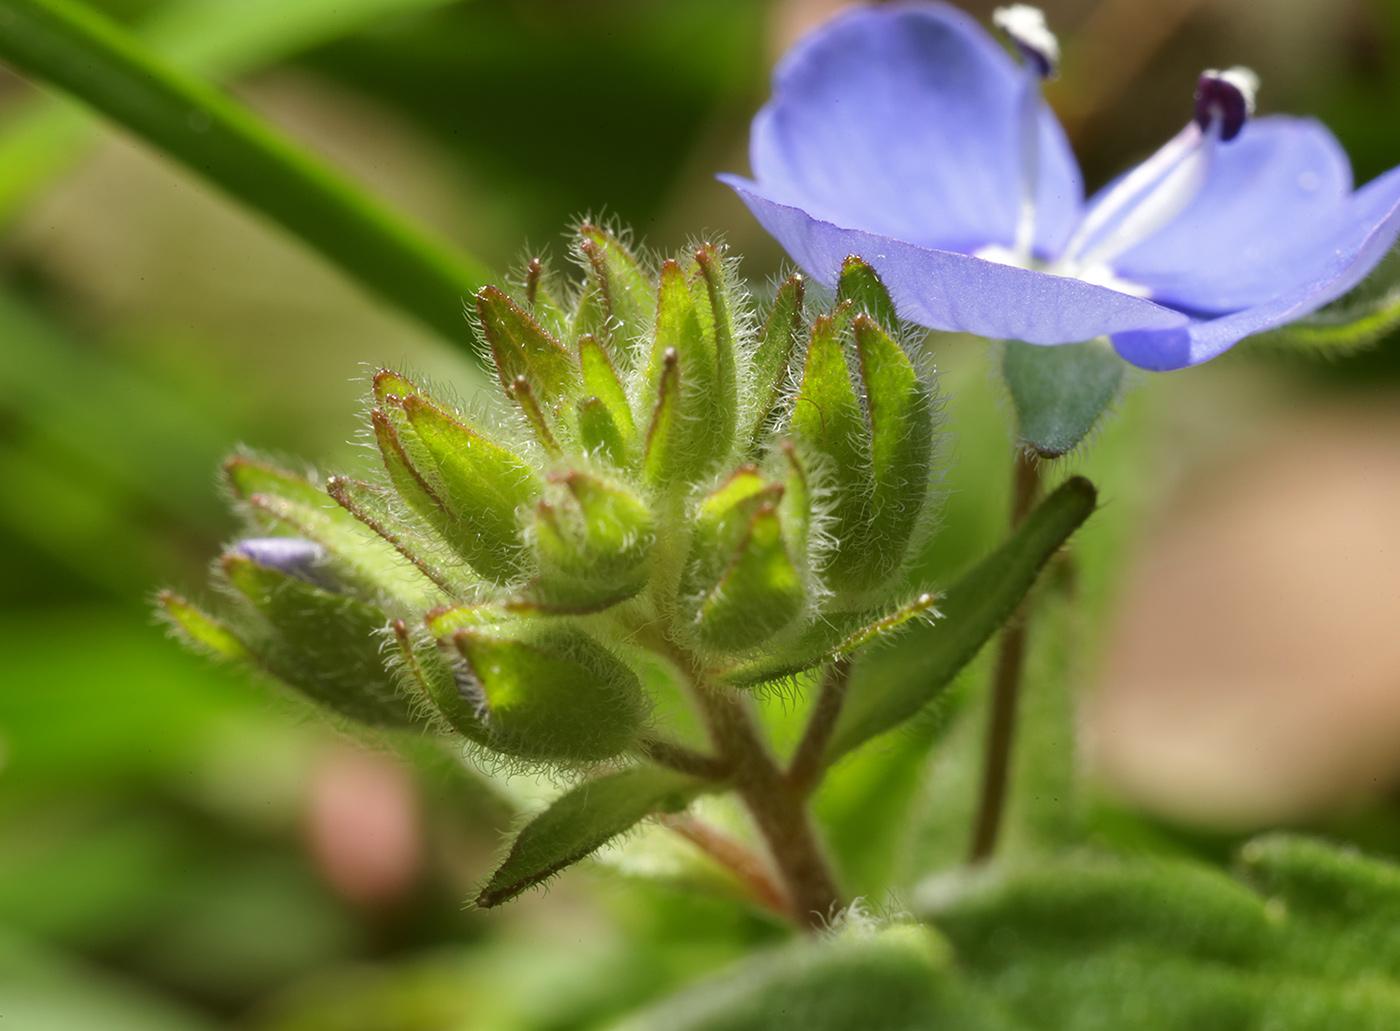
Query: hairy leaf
point(583, 820)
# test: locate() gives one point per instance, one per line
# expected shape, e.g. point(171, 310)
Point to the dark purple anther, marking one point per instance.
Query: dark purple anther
point(290, 555)
point(1228, 96)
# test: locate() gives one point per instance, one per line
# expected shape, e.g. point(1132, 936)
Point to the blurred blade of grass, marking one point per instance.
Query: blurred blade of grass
point(78, 51)
point(219, 39)
point(45, 992)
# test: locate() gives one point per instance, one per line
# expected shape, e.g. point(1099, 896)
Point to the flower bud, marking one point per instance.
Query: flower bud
point(873, 437)
point(558, 695)
point(468, 487)
point(619, 305)
point(760, 593)
point(694, 336)
point(325, 644)
point(591, 541)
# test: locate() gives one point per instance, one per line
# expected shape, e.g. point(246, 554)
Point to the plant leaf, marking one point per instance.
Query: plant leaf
point(1060, 393)
point(888, 685)
point(895, 981)
point(583, 820)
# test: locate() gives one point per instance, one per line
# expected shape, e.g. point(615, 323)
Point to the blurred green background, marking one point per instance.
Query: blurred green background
point(180, 849)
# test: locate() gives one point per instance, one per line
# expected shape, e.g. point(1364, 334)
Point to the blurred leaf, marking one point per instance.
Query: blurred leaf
point(42, 992)
point(1094, 941)
point(78, 51)
point(1061, 392)
point(581, 821)
point(1342, 330)
point(891, 683)
point(891, 982)
point(125, 706)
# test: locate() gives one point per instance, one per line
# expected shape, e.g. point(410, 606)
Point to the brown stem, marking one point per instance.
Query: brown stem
point(809, 759)
point(1001, 729)
point(779, 812)
point(750, 870)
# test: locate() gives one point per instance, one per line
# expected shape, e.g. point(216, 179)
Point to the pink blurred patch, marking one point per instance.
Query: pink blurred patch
point(364, 828)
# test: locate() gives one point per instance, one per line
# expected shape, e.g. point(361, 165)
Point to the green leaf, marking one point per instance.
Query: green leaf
point(768, 370)
point(760, 594)
point(522, 348)
point(901, 445)
point(484, 486)
point(1343, 330)
point(890, 684)
point(860, 285)
point(583, 820)
point(1344, 906)
point(894, 981)
point(82, 53)
point(1080, 903)
point(1060, 393)
point(559, 696)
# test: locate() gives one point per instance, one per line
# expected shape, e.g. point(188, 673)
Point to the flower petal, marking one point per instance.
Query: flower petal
point(1261, 226)
point(950, 291)
point(903, 120)
point(1368, 224)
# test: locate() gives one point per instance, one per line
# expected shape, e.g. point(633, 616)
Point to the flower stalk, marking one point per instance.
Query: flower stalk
point(1006, 685)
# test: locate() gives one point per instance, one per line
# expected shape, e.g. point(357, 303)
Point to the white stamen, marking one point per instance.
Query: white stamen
point(1145, 199)
point(1025, 26)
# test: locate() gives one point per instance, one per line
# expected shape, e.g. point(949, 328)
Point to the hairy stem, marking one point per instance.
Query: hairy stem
point(749, 869)
point(778, 810)
point(808, 761)
point(685, 760)
point(1006, 686)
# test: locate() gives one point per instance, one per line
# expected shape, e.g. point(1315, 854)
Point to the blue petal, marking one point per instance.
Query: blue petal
point(950, 291)
point(902, 120)
point(1261, 226)
point(1365, 229)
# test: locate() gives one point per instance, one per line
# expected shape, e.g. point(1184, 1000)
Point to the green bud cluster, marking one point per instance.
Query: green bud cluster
point(679, 479)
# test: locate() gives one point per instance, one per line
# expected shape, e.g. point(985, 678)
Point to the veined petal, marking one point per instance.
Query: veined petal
point(902, 120)
point(1362, 231)
point(946, 290)
point(1263, 223)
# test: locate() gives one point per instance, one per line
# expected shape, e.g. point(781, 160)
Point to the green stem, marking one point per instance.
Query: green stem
point(82, 53)
point(1006, 686)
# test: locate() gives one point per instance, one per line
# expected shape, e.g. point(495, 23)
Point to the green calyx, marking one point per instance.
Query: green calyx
point(682, 479)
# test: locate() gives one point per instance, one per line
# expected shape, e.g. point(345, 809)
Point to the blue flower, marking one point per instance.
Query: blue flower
point(904, 133)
